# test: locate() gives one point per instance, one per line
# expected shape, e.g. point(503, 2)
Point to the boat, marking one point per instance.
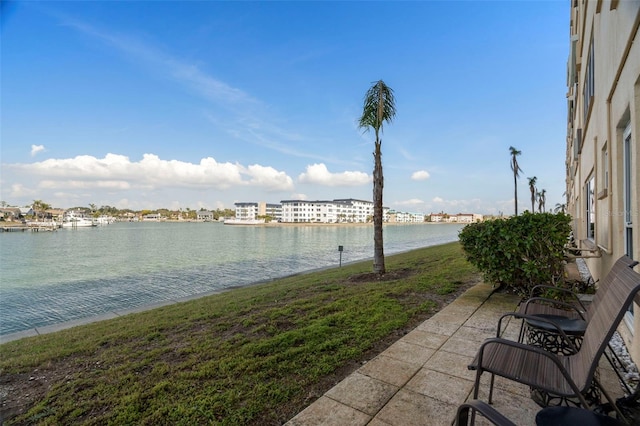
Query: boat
point(235, 221)
point(105, 220)
point(77, 219)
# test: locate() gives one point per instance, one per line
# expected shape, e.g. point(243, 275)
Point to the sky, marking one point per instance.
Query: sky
point(202, 104)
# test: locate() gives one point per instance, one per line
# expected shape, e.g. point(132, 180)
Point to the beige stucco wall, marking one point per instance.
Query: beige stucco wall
point(616, 102)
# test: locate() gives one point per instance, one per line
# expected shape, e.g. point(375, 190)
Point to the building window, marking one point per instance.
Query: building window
point(589, 82)
point(591, 207)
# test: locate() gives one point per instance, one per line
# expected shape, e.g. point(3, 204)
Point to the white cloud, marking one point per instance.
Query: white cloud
point(299, 196)
point(118, 173)
point(437, 200)
point(319, 174)
point(269, 178)
point(420, 175)
point(35, 149)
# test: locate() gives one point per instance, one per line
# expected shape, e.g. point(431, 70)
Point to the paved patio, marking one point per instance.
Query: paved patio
point(423, 378)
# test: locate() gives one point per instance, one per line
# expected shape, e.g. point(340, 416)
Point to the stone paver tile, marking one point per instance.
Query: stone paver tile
point(440, 386)
point(461, 309)
point(483, 320)
point(362, 392)
point(461, 346)
point(439, 327)
point(520, 410)
point(451, 317)
point(408, 352)
point(473, 334)
point(450, 363)
point(502, 384)
point(378, 422)
point(328, 412)
point(413, 409)
point(424, 338)
point(390, 370)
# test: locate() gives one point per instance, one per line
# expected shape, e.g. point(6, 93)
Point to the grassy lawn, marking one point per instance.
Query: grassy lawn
point(253, 355)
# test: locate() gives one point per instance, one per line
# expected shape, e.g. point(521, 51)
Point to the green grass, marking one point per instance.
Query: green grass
point(248, 356)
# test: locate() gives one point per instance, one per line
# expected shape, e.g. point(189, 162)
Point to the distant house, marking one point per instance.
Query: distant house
point(10, 214)
point(204, 215)
point(468, 218)
point(26, 211)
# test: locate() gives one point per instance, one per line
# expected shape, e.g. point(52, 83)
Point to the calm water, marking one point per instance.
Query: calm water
point(52, 277)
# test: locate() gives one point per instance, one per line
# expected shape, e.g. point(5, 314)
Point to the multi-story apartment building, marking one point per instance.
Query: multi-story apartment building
point(458, 218)
point(336, 211)
point(252, 211)
point(405, 217)
point(603, 127)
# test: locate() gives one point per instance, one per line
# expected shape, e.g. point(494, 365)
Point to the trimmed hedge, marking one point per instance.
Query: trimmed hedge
point(520, 252)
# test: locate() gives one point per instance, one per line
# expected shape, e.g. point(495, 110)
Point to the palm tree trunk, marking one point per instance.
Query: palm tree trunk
point(378, 184)
point(515, 185)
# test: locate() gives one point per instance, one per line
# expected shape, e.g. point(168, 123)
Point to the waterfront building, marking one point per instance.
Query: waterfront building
point(204, 215)
point(603, 126)
point(347, 210)
point(405, 217)
point(252, 211)
point(456, 218)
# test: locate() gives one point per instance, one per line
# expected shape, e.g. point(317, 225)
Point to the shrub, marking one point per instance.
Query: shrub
point(520, 252)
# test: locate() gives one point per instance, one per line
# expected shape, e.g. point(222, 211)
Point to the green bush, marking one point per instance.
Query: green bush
point(520, 252)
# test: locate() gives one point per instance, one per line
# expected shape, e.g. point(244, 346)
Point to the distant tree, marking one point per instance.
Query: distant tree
point(560, 208)
point(379, 107)
point(39, 207)
point(532, 188)
point(542, 198)
point(516, 172)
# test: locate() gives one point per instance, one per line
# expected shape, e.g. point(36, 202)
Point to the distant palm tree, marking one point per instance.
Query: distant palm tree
point(559, 208)
point(379, 106)
point(542, 198)
point(532, 188)
point(39, 207)
point(516, 172)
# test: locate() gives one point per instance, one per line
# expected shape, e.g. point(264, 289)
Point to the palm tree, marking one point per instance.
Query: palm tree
point(560, 208)
point(532, 188)
point(516, 172)
point(39, 208)
point(379, 106)
point(541, 200)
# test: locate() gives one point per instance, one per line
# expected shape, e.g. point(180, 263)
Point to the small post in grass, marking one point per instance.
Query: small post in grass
point(340, 249)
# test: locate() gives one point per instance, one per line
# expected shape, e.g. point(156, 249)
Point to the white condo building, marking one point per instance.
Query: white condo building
point(336, 211)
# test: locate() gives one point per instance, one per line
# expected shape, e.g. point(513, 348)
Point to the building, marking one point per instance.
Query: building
point(405, 217)
point(347, 210)
point(253, 211)
point(603, 126)
point(204, 215)
point(455, 218)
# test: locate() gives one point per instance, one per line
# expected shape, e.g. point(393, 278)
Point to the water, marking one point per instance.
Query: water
point(52, 277)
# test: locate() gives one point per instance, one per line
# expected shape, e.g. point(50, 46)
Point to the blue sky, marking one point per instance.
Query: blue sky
point(201, 104)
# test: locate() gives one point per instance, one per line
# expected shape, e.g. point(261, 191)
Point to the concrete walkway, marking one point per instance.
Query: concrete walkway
point(423, 378)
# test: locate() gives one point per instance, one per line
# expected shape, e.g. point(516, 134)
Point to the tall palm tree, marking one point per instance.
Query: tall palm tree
point(516, 172)
point(379, 107)
point(542, 199)
point(532, 188)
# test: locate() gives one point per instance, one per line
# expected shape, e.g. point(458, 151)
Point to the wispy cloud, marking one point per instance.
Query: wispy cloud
point(35, 149)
